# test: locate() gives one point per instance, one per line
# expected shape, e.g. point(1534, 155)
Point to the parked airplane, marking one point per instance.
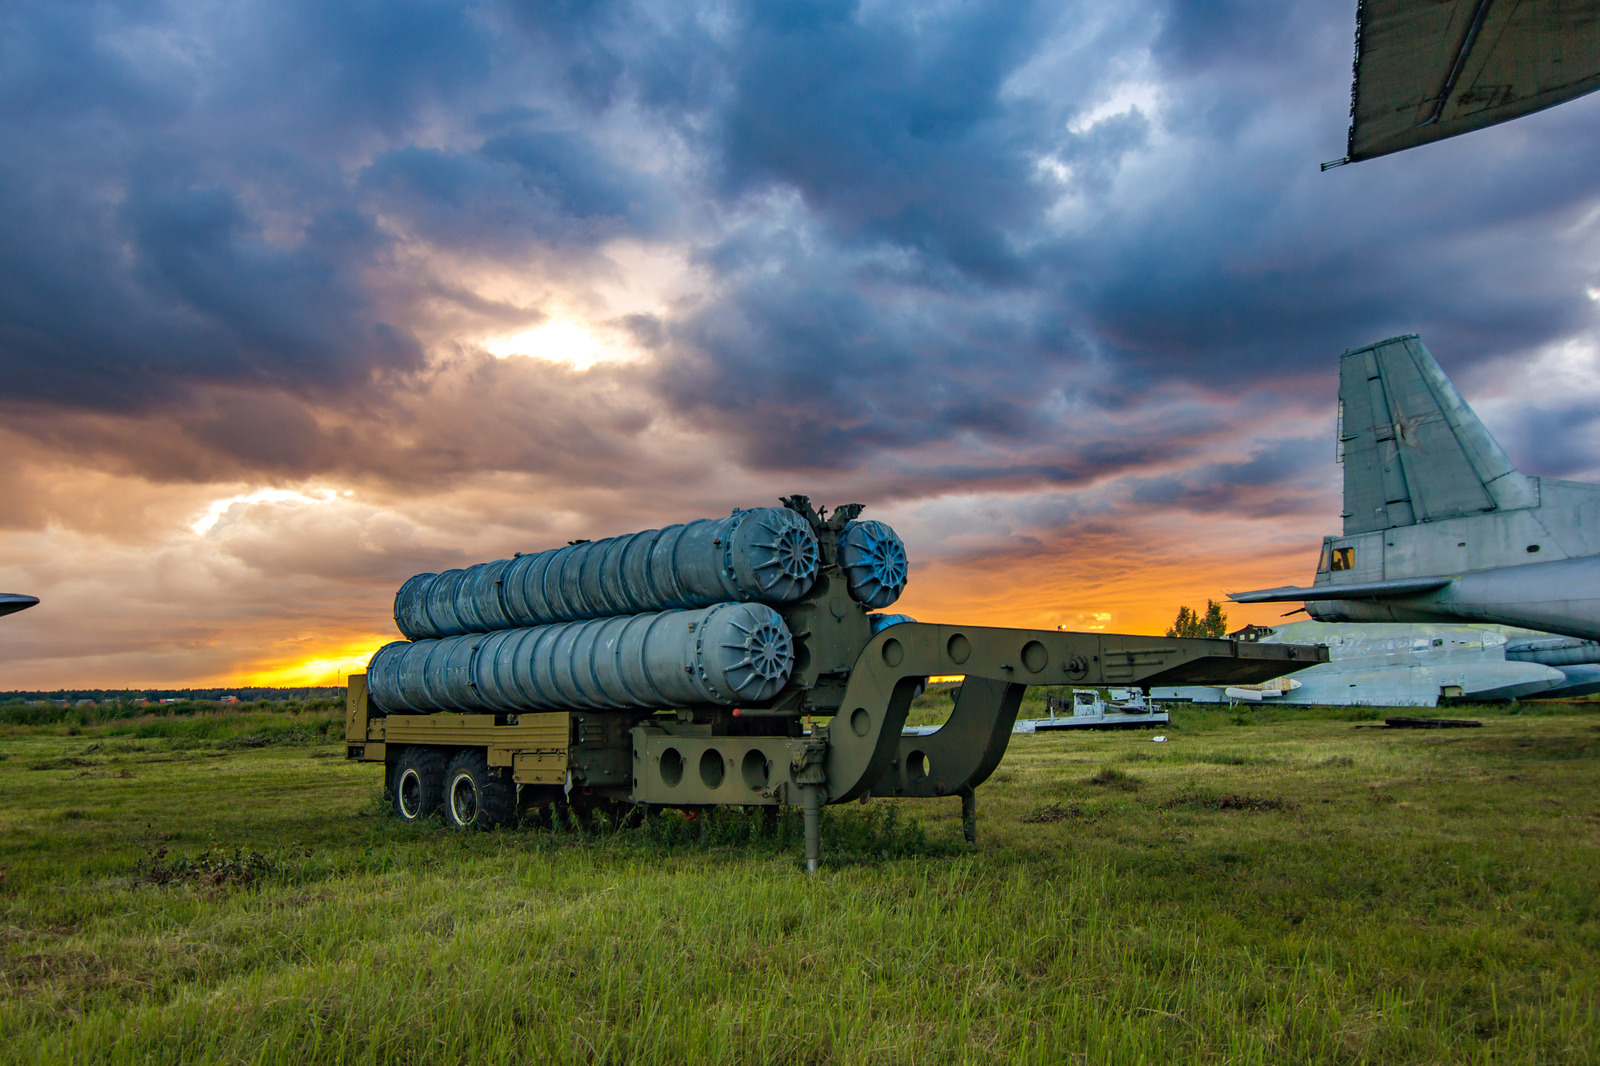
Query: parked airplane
point(1579, 660)
point(1390, 664)
point(1438, 525)
point(12, 602)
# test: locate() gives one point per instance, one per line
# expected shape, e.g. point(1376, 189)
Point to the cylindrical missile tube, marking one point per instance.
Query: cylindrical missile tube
point(763, 555)
point(728, 654)
point(874, 561)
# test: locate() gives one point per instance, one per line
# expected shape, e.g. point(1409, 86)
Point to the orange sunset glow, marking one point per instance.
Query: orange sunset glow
point(293, 313)
point(1082, 593)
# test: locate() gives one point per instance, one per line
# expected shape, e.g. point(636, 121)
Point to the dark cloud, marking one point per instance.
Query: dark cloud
point(1060, 258)
point(1199, 36)
point(514, 193)
point(478, 416)
point(889, 124)
point(1559, 440)
point(916, 222)
point(191, 196)
point(1256, 485)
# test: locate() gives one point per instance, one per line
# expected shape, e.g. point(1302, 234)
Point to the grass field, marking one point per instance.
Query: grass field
point(1286, 886)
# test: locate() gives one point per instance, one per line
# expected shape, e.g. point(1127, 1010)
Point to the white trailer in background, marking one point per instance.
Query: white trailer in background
point(1128, 708)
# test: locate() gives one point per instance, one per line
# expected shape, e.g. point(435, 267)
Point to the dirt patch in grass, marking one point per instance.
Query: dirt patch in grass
point(65, 762)
point(1110, 777)
point(1234, 758)
point(213, 869)
point(1542, 748)
point(18, 934)
point(1228, 802)
point(73, 971)
point(1057, 812)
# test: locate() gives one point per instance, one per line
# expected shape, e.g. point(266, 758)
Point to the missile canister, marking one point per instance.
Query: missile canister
point(732, 653)
point(874, 562)
point(763, 555)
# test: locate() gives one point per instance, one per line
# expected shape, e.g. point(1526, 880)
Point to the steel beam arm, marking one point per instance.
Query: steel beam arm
point(867, 753)
point(965, 750)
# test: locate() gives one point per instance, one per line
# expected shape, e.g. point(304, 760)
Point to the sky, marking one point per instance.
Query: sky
point(302, 298)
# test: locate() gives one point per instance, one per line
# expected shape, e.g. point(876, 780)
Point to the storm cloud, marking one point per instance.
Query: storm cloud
point(416, 283)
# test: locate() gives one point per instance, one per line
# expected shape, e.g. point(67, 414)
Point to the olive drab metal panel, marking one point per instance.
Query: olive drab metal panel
point(767, 708)
point(723, 655)
point(762, 555)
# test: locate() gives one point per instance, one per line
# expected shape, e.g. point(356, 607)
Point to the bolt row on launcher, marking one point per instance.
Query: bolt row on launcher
point(679, 667)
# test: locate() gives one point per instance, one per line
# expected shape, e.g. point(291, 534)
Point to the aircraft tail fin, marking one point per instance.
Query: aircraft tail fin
point(1413, 451)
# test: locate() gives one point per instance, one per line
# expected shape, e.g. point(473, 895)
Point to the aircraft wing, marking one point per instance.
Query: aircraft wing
point(1426, 71)
point(1362, 590)
point(12, 602)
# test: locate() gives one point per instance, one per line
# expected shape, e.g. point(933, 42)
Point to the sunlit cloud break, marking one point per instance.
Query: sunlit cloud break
point(217, 511)
point(323, 297)
point(561, 341)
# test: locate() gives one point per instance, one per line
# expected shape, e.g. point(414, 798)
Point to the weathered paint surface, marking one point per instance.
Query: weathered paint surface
point(1438, 524)
point(1424, 72)
point(727, 654)
point(762, 555)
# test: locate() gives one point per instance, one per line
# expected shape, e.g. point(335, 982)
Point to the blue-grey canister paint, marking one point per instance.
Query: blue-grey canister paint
point(874, 562)
point(728, 654)
point(763, 555)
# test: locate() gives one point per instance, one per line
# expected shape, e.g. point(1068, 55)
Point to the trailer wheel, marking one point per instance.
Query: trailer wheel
point(417, 788)
point(476, 796)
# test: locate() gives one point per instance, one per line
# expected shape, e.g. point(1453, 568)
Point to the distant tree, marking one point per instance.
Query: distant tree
point(1214, 623)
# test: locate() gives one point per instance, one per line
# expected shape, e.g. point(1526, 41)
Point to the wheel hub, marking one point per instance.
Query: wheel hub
point(410, 794)
point(463, 800)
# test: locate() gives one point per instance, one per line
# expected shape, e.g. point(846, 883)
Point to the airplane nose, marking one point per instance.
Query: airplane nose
point(12, 602)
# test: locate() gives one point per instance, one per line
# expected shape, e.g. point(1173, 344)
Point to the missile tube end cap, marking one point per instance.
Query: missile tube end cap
point(874, 562)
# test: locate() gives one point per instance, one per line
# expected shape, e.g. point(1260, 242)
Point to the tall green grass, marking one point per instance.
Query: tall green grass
point(32, 715)
point(1308, 889)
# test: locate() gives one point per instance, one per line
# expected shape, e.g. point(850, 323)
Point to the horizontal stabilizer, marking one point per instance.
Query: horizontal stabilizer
point(1358, 590)
point(1426, 71)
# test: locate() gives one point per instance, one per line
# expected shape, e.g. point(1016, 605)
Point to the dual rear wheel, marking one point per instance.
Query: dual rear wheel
point(469, 792)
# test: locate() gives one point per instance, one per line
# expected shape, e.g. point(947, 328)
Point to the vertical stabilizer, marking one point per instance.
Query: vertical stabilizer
point(1413, 450)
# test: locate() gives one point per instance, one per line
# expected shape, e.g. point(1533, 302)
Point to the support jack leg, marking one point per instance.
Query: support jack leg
point(811, 802)
point(969, 815)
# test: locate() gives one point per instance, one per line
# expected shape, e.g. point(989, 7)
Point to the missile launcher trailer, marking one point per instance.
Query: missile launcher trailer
point(679, 668)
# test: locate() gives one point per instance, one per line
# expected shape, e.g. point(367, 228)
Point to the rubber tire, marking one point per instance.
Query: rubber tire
point(422, 768)
point(476, 795)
